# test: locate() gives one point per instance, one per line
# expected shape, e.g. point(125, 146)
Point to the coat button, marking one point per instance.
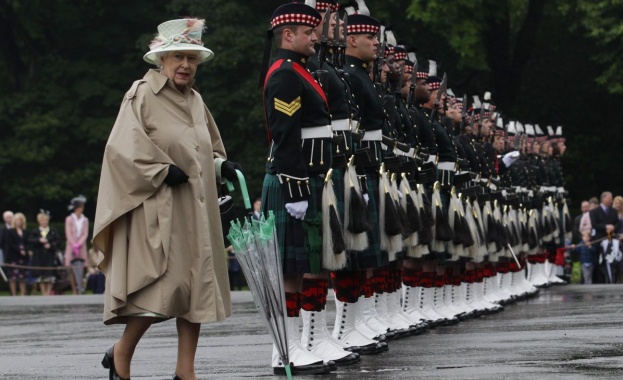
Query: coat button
point(202, 199)
point(201, 174)
point(190, 124)
point(197, 148)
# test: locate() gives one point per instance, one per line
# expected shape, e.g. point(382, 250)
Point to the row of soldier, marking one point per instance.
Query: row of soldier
point(422, 211)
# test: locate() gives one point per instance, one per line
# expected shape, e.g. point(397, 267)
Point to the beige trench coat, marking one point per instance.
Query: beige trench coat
point(162, 246)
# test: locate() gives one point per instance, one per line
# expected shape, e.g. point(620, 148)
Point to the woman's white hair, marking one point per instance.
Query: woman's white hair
point(160, 56)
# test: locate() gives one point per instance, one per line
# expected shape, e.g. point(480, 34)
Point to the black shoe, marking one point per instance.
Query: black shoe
point(177, 377)
point(390, 335)
point(380, 338)
point(450, 321)
point(402, 333)
point(318, 368)
point(374, 348)
point(109, 363)
point(348, 360)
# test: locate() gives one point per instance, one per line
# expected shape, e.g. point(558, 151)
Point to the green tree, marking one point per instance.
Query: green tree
point(487, 35)
point(602, 22)
point(66, 67)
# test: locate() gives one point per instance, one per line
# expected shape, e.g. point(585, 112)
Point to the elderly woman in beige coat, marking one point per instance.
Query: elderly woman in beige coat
point(157, 223)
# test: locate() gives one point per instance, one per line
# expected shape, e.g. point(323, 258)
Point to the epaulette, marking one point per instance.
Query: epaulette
point(132, 91)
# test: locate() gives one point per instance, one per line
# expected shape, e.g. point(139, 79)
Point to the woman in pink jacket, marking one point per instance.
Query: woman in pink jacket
point(76, 232)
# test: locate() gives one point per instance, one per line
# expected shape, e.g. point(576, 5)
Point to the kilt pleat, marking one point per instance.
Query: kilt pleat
point(290, 231)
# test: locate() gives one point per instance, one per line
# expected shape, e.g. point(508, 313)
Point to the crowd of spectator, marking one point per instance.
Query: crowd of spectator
point(597, 234)
point(40, 260)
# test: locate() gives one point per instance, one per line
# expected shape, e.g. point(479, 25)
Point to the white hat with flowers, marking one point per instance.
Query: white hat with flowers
point(177, 35)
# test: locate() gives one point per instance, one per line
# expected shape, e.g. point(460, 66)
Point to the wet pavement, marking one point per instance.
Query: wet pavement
point(570, 332)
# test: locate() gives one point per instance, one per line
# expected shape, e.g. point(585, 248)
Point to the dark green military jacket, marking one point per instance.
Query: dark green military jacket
point(426, 131)
point(370, 104)
point(470, 153)
point(341, 104)
point(445, 144)
point(293, 104)
point(485, 169)
point(407, 127)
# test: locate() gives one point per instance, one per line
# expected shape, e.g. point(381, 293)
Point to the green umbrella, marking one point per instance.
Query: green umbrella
point(255, 246)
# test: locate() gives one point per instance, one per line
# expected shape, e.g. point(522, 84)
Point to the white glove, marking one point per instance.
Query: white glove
point(297, 209)
point(366, 198)
point(509, 158)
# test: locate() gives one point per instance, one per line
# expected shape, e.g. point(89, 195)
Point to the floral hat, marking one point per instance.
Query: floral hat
point(177, 35)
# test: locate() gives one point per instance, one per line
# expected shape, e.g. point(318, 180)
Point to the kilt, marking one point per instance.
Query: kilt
point(290, 231)
point(372, 257)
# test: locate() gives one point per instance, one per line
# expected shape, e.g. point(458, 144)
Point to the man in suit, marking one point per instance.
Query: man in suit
point(7, 216)
point(577, 235)
point(604, 220)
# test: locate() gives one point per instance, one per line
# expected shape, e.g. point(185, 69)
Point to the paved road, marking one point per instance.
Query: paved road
point(567, 332)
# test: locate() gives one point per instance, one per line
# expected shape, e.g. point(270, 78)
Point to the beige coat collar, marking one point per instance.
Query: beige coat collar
point(157, 81)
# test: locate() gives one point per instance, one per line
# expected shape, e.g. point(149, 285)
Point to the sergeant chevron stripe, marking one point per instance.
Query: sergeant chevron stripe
point(288, 108)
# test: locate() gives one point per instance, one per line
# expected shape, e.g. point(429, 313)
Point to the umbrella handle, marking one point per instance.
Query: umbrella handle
point(243, 189)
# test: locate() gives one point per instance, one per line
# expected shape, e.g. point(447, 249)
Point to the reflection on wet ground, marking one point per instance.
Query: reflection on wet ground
point(566, 332)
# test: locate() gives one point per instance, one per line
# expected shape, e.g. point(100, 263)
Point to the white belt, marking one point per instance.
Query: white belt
point(447, 166)
point(316, 132)
point(399, 152)
point(376, 135)
point(411, 152)
point(353, 125)
point(396, 151)
point(341, 125)
point(431, 158)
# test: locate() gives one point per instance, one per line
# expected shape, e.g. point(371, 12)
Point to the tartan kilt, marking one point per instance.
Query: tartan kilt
point(290, 232)
point(372, 257)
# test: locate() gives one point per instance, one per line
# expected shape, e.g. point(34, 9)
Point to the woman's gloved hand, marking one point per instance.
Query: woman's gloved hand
point(297, 209)
point(228, 170)
point(175, 176)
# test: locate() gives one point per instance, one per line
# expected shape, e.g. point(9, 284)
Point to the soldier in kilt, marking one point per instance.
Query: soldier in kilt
point(299, 128)
point(354, 301)
point(316, 337)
